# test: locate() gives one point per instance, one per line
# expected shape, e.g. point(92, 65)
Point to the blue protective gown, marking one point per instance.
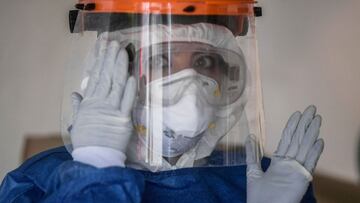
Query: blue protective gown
point(52, 176)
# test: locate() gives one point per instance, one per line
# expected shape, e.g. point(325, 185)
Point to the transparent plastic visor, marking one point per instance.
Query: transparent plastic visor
point(198, 93)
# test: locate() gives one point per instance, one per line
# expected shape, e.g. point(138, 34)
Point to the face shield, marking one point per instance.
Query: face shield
point(198, 92)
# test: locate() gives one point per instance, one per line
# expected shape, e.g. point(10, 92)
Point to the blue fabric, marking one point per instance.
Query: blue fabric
point(52, 176)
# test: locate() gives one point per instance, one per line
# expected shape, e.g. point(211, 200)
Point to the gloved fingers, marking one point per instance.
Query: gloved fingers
point(313, 156)
point(76, 99)
point(104, 85)
point(310, 137)
point(91, 57)
point(287, 134)
point(252, 156)
point(96, 69)
point(128, 98)
point(119, 77)
point(304, 123)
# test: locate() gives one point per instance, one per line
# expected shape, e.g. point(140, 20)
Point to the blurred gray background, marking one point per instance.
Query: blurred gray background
point(309, 54)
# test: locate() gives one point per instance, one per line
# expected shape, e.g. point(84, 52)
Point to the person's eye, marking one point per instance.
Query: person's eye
point(204, 62)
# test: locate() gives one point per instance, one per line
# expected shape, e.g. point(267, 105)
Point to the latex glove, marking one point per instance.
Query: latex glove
point(290, 172)
point(102, 123)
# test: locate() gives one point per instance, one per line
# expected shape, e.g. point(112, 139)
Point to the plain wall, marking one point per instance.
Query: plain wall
point(34, 40)
point(309, 54)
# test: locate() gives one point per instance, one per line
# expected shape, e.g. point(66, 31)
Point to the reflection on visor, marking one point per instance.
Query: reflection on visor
point(218, 74)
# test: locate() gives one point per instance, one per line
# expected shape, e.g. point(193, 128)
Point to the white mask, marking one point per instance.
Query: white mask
point(183, 123)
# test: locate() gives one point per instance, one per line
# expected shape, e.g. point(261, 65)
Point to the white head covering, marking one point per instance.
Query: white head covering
point(215, 35)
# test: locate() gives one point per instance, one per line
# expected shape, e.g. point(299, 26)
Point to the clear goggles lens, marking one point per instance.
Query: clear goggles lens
point(168, 70)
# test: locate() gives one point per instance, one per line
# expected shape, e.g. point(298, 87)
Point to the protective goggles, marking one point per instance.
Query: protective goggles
point(167, 70)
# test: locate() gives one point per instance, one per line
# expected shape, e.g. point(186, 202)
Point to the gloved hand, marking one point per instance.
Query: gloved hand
point(102, 123)
point(290, 172)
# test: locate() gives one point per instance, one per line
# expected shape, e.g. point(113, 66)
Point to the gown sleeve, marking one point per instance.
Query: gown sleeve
point(53, 177)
